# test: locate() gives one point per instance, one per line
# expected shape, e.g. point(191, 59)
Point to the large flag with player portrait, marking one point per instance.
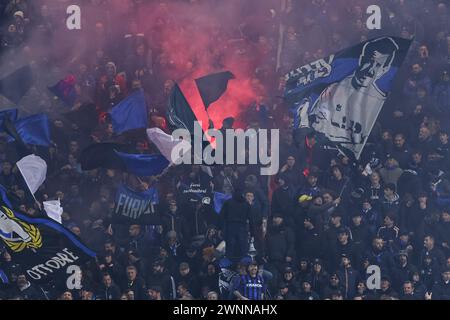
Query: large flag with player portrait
point(44, 248)
point(340, 96)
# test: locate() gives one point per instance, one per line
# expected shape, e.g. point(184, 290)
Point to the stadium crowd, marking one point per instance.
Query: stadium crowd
point(308, 233)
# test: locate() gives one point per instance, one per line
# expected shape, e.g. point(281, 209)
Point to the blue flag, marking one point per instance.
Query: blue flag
point(136, 207)
point(143, 165)
point(219, 200)
point(130, 113)
point(340, 96)
point(34, 130)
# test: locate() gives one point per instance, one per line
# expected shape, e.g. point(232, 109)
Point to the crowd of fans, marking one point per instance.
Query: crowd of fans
point(311, 231)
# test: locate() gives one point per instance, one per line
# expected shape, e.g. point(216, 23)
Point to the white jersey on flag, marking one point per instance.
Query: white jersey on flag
point(346, 115)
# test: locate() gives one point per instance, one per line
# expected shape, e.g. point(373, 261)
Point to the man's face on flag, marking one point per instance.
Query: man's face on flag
point(372, 69)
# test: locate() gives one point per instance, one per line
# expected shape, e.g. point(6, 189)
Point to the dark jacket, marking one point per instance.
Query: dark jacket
point(319, 281)
point(349, 278)
point(165, 281)
point(138, 287)
point(361, 236)
point(111, 293)
point(280, 243)
point(309, 244)
point(30, 293)
point(441, 291)
point(348, 249)
point(283, 201)
point(400, 274)
point(382, 258)
point(436, 255)
point(308, 296)
point(390, 205)
point(174, 222)
point(235, 210)
point(443, 234)
point(388, 234)
point(402, 155)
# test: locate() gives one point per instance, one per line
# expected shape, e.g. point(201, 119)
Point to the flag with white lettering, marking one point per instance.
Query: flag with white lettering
point(340, 96)
point(43, 248)
point(134, 207)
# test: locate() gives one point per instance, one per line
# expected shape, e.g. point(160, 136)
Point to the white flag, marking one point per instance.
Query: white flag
point(166, 143)
point(53, 209)
point(34, 171)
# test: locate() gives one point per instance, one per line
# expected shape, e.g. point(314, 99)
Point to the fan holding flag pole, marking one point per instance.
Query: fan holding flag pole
point(211, 88)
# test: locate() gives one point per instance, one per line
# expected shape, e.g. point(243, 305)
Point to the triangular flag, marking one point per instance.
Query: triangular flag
point(33, 170)
point(213, 86)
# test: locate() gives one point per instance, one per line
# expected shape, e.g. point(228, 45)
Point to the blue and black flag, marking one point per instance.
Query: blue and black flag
point(340, 96)
point(115, 156)
point(179, 113)
point(44, 248)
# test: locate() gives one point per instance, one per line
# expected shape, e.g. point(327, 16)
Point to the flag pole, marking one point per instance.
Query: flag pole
point(281, 35)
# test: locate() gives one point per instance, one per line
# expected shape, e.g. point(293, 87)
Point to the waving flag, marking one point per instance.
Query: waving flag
point(86, 117)
point(130, 113)
point(144, 165)
point(213, 86)
point(65, 90)
point(34, 130)
point(43, 247)
point(33, 170)
point(53, 209)
point(115, 156)
point(102, 155)
point(341, 96)
point(166, 143)
point(179, 113)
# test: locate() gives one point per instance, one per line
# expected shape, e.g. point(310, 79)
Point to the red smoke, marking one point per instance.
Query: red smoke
point(196, 40)
point(188, 41)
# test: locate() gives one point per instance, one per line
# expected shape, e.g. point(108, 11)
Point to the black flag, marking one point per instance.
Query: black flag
point(212, 87)
point(16, 85)
point(85, 117)
point(21, 147)
point(102, 155)
point(179, 113)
